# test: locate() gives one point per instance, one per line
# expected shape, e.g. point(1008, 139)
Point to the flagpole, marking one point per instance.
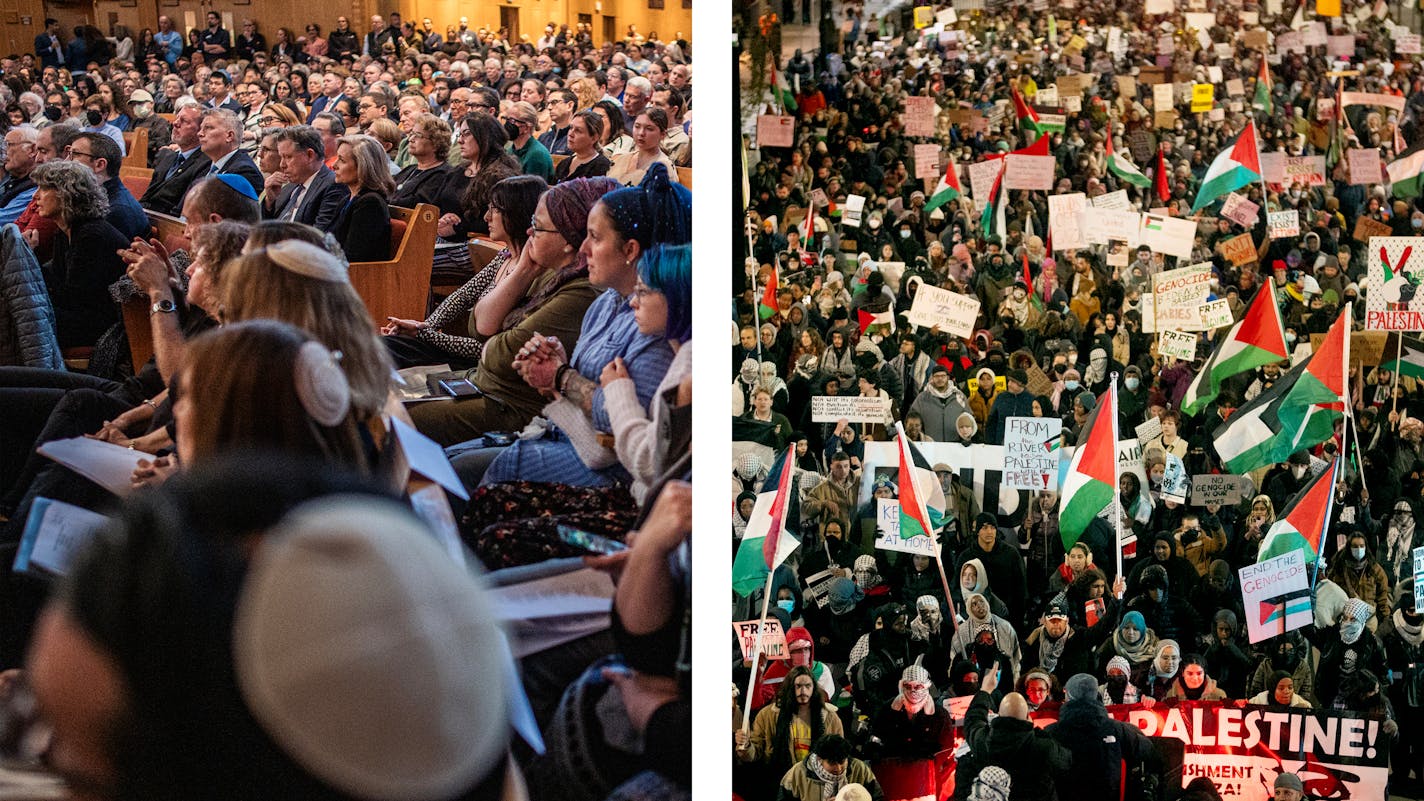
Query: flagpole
point(756, 652)
point(1394, 384)
point(938, 551)
point(1117, 478)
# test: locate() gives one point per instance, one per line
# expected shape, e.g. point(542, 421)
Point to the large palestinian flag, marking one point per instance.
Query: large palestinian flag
point(947, 190)
point(1091, 481)
point(1123, 168)
point(767, 541)
point(921, 496)
point(1303, 522)
point(1235, 167)
point(1257, 339)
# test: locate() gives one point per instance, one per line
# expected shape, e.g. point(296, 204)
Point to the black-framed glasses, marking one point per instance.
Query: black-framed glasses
point(70, 152)
point(534, 229)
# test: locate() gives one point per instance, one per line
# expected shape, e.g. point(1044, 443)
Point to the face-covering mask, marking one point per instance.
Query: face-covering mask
point(865, 579)
point(1132, 383)
point(1357, 553)
point(1298, 471)
point(904, 233)
point(511, 130)
point(1350, 630)
point(1071, 385)
point(1117, 682)
point(1290, 337)
point(1417, 223)
point(1286, 659)
point(786, 605)
point(917, 696)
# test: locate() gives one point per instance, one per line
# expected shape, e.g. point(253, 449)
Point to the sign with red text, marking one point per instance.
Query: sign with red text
point(1395, 269)
point(773, 642)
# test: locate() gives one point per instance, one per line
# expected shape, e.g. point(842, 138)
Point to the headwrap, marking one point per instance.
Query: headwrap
point(657, 211)
point(568, 205)
point(843, 595)
point(1174, 662)
point(865, 567)
point(1145, 646)
point(1362, 612)
point(915, 673)
point(992, 784)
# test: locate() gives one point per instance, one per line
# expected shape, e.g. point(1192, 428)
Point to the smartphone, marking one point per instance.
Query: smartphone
point(498, 439)
point(593, 543)
point(459, 387)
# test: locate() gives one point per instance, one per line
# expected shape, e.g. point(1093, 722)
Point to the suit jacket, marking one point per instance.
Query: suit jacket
point(243, 165)
point(321, 104)
point(317, 207)
point(363, 227)
point(165, 195)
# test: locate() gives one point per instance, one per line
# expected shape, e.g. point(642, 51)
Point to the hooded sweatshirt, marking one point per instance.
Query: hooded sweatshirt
point(777, 669)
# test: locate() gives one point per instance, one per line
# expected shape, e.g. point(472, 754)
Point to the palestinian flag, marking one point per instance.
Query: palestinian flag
point(767, 542)
point(992, 220)
point(1257, 339)
point(866, 319)
point(1297, 412)
point(948, 189)
point(1028, 283)
point(807, 228)
point(767, 308)
point(1262, 99)
point(1164, 184)
point(1025, 115)
point(1302, 525)
point(1124, 169)
point(1237, 166)
point(921, 497)
point(781, 92)
point(1406, 174)
point(1091, 481)
point(1410, 362)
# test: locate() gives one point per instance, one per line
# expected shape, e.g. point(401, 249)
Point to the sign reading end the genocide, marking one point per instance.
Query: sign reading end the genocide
point(1276, 595)
point(852, 409)
point(1032, 452)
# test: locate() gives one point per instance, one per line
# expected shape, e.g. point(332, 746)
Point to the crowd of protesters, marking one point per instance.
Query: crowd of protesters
point(885, 670)
point(270, 391)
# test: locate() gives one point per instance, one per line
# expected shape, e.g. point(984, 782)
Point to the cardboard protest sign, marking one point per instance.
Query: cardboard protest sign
point(1065, 220)
point(776, 130)
point(1304, 170)
point(1367, 228)
point(1366, 347)
point(1365, 165)
point(1032, 451)
point(1159, 7)
point(887, 531)
point(1238, 209)
point(1283, 224)
point(927, 161)
point(1235, 88)
point(1169, 235)
point(919, 115)
point(773, 642)
point(852, 408)
point(981, 178)
point(1239, 250)
point(1392, 302)
point(1216, 314)
point(1243, 749)
point(1126, 86)
point(1256, 39)
point(1340, 46)
point(1178, 295)
point(1029, 172)
point(1162, 98)
point(1218, 489)
point(953, 313)
point(1177, 344)
point(1276, 594)
point(1203, 97)
point(54, 534)
point(924, 16)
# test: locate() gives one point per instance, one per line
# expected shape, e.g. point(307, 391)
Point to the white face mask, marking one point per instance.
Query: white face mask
point(1298, 471)
point(1350, 630)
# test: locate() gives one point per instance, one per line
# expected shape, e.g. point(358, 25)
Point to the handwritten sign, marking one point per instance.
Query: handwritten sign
point(1235, 88)
point(887, 531)
point(1032, 452)
point(1238, 209)
point(1368, 227)
point(1276, 594)
point(1203, 97)
point(919, 114)
point(773, 642)
point(852, 408)
point(1029, 172)
point(1407, 45)
point(1218, 490)
point(1283, 224)
point(1065, 220)
point(982, 175)
point(1216, 314)
point(1419, 577)
point(1304, 170)
point(1177, 344)
point(1162, 99)
point(953, 313)
point(1178, 294)
point(776, 130)
point(1169, 235)
point(927, 160)
point(1364, 165)
point(1239, 250)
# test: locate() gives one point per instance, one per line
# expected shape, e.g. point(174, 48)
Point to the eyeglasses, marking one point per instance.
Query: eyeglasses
point(534, 229)
point(641, 290)
point(72, 153)
point(265, 120)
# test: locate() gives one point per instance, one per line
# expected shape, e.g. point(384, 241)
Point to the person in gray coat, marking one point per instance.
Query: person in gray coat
point(939, 404)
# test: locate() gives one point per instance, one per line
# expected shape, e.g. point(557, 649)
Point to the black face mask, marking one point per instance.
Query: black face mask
point(985, 653)
point(1286, 660)
point(511, 130)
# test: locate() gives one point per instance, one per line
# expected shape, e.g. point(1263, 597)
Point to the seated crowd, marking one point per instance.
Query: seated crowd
point(264, 427)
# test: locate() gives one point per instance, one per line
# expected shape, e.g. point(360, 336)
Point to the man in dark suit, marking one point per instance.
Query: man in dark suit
point(175, 170)
point(330, 93)
point(219, 135)
point(48, 47)
point(311, 194)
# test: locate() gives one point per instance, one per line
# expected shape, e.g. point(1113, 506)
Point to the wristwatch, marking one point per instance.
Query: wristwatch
point(165, 306)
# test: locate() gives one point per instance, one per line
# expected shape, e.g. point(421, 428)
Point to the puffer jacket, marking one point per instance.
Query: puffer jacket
point(27, 322)
point(1033, 759)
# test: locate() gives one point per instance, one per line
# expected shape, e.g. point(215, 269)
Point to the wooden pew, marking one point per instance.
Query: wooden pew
point(136, 145)
point(140, 332)
point(684, 176)
point(400, 286)
point(169, 230)
point(136, 179)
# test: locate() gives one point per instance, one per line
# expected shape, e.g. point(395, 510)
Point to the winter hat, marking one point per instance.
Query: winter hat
point(1289, 781)
point(1088, 400)
point(1154, 577)
point(1057, 609)
point(1018, 376)
point(985, 519)
point(854, 792)
point(1118, 663)
point(938, 368)
point(353, 624)
point(1084, 686)
point(992, 784)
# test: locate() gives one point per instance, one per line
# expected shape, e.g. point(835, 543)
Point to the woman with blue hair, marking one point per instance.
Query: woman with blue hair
point(662, 304)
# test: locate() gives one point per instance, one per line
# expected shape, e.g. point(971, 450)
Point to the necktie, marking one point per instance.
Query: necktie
point(213, 170)
point(294, 204)
point(177, 165)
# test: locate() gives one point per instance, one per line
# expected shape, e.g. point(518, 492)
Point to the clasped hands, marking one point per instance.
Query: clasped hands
point(539, 360)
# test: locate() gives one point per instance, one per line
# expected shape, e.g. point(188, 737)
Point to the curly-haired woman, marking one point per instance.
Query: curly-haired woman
point(86, 251)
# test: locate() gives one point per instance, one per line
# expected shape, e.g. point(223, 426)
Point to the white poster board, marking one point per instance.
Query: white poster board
point(981, 178)
point(1276, 594)
point(927, 162)
point(1032, 451)
point(1283, 224)
point(1394, 305)
point(1029, 172)
point(1216, 314)
point(1177, 344)
point(1169, 235)
point(887, 531)
point(1065, 220)
point(851, 408)
point(1178, 296)
point(953, 313)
